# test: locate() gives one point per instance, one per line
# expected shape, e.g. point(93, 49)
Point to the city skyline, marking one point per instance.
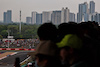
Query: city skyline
point(86, 12)
point(27, 11)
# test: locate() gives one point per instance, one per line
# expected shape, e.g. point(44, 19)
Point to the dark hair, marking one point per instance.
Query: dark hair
point(66, 28)
point(47, 31)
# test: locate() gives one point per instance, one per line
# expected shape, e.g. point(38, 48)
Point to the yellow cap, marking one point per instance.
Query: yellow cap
point(70, 40)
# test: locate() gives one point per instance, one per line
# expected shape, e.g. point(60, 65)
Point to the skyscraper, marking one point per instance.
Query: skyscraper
point(92, 7)
point(28, 20)
point(38, 18)
point(72, 17)
point(90, 17)
point(8, 16)
point(34, 17)
point(78, 18)
point(95, 17)
point(56, 17)
point(85, 7)
point(83, 11)
point(99, 19)
point(46, 17)
point(65, 15)
point(86, 17)
point(5, 17)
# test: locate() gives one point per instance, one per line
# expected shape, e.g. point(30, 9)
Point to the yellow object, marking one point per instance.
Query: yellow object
point(70, 40)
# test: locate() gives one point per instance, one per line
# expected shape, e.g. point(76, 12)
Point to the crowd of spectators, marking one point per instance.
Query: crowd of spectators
point(20, 43)
point(68, 45)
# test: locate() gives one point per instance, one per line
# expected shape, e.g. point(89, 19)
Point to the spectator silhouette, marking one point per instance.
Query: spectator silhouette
point(67, 28)
point(71, 51)
point(17, 62)
point(47, 31)
point(90, 37)
point(47, 55)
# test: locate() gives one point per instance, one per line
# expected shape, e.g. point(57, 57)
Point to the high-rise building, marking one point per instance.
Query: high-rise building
point(34, 17)
point(46, 17)
point(72, 17)
point(86, 17)
point(83, 11)
point(90, 17)
point(92, 7)
point(28, 20)
point(5, 17)
point(99, 18)
point(78, 18)
point(95, 17)
point(85, 7)
point(65, 15)
point(79, 14)
point(38, 18)
point(8, 16)
point(56, 17)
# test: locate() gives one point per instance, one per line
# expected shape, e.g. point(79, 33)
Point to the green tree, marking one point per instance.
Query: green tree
point(14, 29)
point(4, 33)
point(1, 37)
point(3, 27)
point(28, 31)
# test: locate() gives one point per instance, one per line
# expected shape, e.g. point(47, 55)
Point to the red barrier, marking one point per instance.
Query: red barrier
point(12, 48)
point(21, 49)
point(17, 49)
point(3, 48)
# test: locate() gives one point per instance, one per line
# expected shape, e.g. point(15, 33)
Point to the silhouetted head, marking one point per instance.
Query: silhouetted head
point(47, 54)
point(47, 31)
point(67, 28)
point(89, 28)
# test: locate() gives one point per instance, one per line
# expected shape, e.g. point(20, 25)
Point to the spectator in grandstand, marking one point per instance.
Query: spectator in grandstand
point(47, 55)
point(89, 30)
point(71, 51)
point(47, 31)
point(17, 62)
point(89, 34)
point(67, 28)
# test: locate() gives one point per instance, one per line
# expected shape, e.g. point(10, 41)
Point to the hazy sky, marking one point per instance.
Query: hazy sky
point(27, 6)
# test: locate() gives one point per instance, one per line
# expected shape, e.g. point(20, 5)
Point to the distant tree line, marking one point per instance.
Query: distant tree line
point(28, 31)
